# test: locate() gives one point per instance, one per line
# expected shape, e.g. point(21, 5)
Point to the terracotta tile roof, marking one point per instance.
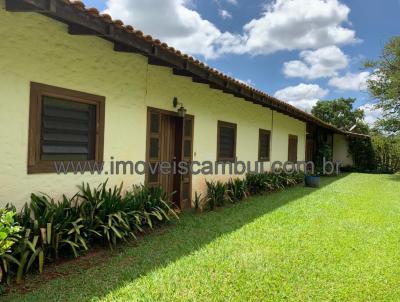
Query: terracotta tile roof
point(79, 6)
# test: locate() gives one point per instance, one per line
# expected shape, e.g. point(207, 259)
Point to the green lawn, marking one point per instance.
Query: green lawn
point(337, 243)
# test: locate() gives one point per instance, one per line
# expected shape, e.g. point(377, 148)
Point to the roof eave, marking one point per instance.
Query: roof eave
point(83, 21)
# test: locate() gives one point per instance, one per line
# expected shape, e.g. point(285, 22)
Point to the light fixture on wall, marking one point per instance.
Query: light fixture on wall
point(181, 110)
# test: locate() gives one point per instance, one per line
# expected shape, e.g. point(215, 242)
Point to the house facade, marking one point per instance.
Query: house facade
point(70, 93)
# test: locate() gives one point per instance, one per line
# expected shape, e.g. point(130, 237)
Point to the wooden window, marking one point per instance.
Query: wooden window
point(292, 150)
point(226, 142)
point(64, 125)
point(264, 145)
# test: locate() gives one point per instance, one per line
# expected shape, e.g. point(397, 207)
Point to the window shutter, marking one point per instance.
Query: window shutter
point(64, 125)
point(292, 150)
point(68, 130)
point(264, 142)
point(226, 141)
point(154, 141)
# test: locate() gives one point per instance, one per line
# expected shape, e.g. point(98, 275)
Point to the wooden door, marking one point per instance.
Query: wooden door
point(167, 150)
point(160, 148)
point(170, 139)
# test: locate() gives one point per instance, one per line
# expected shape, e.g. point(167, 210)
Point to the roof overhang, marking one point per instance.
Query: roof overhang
point(82, 21)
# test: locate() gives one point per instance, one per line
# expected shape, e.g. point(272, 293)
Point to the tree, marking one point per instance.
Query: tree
point(384, 85)
point(340, 113)
point(387, 152)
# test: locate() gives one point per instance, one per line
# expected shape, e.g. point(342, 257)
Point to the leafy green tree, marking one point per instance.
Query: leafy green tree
point(384, 85)
point(387, 152)
point(340, 113)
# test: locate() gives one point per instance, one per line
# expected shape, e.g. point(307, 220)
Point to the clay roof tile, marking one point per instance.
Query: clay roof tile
point(119, 23)
point(78, 4)
point(93, 11)
point(107, 18)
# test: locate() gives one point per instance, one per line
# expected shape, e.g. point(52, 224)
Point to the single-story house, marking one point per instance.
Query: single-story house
point(77, 86)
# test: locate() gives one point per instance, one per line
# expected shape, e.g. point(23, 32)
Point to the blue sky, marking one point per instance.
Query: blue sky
point(297, 50)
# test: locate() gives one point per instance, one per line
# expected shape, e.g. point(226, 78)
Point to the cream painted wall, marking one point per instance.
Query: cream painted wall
point(36, 48)
point(340, 151)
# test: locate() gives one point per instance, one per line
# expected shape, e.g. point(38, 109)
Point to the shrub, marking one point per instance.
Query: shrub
point(216, 194)
point(362, 152)
point(9, 236)
point(387, 153)
point(9, 230)
point(256, 183)
point(324, 151)
point(148, 206)
point(197, 201)
point(66, 228)
point(237, 189)
point(106, 214)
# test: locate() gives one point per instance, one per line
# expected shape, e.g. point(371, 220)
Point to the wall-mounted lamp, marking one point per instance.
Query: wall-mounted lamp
point(181, 111)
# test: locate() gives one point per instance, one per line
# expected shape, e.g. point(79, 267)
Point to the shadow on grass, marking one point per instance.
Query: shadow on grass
point(166, 246)
point(395, 177)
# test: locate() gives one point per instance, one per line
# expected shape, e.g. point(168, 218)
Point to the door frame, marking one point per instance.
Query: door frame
point(150, 110)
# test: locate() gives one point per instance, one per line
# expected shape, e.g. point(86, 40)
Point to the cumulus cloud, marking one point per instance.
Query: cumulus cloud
point(284, 25)
point(303, 96)
point(372, 114)
point(298, 24)
point(173, 22)
point(321, 63)
point(351, 81)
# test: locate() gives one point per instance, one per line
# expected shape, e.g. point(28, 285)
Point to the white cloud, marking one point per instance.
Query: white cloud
point(298, 24)
point(372, 114)
point(173, 22)
point(284, 25)
point(351, 81)
point(225, 14)
point(321, 63)
point(233, 2)
point(303, 96)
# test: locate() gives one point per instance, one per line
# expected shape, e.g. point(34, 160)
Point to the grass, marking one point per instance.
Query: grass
point(337, 243)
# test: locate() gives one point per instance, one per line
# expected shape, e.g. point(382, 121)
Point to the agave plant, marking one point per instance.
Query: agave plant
point(216, 194)
point(237, 189)
point(59, 224)
point(52, 229)
point(256, 183)
point(148, 205)
point(105, 213)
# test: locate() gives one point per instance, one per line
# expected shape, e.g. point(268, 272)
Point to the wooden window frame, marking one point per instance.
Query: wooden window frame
point(221, 158)
point(291, 136)
point(264, 132)
point(35, 164)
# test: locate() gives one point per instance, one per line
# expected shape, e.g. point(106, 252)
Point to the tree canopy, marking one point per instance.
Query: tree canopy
point(340, 113)
point(384, 85)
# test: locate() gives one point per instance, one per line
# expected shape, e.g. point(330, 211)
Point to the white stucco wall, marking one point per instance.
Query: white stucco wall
point(36, 48)
point(340, 151)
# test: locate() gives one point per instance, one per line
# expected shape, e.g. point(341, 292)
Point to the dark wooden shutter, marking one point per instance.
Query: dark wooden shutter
point(68, 130)
point(292, 150)
point(226, 141)
point(154, 141)
point(264, 141)
point(187, 157)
